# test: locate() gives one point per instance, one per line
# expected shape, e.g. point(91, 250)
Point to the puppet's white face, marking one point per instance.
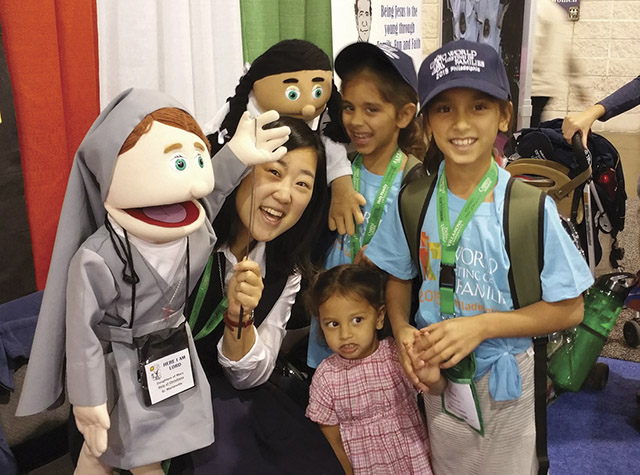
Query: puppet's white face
point(156, 184)
point(300, 94)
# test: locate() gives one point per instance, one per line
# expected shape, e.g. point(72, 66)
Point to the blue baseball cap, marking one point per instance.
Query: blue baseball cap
point(463, 63)
point(352, 55)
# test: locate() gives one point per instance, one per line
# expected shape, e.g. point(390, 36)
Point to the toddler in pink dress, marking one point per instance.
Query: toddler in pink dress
point(360, 396)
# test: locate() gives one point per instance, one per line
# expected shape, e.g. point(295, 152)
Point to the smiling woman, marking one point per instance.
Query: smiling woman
point(258, 429)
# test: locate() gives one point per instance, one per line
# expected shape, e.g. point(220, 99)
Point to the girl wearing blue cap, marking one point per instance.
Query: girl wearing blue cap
point(469, 329)
point(379, 104)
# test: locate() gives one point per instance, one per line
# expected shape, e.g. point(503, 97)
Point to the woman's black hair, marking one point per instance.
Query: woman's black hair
point(291, 250)
point(283, 57)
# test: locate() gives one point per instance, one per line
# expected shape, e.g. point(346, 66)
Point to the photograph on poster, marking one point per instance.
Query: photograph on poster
point(396, 23)
point(495, 22)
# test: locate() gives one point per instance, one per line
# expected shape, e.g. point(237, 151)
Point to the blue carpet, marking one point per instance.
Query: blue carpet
point(598, 432)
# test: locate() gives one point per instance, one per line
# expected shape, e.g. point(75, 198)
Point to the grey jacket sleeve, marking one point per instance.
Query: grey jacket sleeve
point(90, 290)
point(228, 172)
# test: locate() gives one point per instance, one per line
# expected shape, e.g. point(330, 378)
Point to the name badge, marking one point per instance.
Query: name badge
point(169, 376)
point(460, 398)
point(164, 364)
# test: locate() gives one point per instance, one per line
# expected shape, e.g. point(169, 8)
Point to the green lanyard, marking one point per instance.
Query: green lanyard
point(381, 198)
point(449, 238)
point(216, 316)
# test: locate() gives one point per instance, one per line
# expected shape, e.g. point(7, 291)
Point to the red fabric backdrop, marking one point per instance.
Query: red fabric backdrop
point(52, 55)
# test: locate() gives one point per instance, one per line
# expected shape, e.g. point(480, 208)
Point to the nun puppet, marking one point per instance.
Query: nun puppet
point(132, 241)
point(294, 78)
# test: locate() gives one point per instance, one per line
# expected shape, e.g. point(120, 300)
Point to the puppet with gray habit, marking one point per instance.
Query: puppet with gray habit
point(294, 78)
point(132, 241)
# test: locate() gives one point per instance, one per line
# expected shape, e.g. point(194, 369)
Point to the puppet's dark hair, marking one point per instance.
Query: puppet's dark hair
point(290, 250)
point(334, 129)
point(283, 57)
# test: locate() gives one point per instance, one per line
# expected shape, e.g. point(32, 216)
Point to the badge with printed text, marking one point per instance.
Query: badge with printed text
point(169, 376)
point(164, 364)
point(460, 398)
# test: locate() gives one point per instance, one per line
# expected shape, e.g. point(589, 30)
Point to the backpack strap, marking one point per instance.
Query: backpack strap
point(524, 240)
point(412, 169)
point(523, 231)
point(415, 195)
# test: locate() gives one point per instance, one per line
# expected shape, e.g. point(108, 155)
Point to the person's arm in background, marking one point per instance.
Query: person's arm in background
point(625, 98)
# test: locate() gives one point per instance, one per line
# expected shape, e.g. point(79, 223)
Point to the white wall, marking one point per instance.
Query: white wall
point(606, 41)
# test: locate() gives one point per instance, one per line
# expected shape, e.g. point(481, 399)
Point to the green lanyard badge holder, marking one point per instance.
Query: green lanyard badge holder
point(460, 398)
point(381, 198)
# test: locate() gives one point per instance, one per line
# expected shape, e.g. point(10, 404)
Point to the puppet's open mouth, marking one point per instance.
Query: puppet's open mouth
point(169, 216)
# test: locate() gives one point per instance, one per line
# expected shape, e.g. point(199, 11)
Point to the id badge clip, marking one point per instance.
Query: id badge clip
point(460, 398)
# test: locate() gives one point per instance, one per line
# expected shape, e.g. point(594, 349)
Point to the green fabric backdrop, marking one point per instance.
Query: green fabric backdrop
point(265, 22)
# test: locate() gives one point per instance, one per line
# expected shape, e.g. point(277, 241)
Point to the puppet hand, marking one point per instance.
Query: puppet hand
point(345, 206)
point(428, 375)
point(253, 145)
point(245, 288)
point(93, 422)
point(449, 341)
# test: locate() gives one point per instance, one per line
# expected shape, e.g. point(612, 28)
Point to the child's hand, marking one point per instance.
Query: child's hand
point(345, 206)
point(405, 338)
point(245, 288)
point(449, 341)
point(428, 375)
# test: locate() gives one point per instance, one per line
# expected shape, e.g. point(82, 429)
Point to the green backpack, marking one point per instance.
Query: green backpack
point(523, 227)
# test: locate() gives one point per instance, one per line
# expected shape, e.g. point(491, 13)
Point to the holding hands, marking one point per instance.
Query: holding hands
point(446, 343)
point(423, 353)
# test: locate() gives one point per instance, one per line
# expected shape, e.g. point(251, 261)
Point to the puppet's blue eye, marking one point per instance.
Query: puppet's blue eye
point(292, 93)
point(200, 161)
point(179, 162)
point(317, 91)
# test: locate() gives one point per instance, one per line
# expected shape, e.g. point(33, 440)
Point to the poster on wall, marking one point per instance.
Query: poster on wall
point(17, 274)
point(495, 22)
point(397, 23)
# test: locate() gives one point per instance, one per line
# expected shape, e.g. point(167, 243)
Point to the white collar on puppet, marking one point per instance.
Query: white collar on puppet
point(257, 254)
point(165, 258)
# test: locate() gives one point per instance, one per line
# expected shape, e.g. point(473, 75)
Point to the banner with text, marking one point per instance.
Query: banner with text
point(398, 23)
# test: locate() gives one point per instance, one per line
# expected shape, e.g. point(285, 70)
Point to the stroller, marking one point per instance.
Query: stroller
point(587, 185)
point(588, 188)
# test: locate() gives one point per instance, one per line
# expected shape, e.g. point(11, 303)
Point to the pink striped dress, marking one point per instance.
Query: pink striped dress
point(375, 405)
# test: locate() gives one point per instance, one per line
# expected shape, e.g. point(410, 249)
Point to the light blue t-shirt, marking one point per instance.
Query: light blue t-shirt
point(340, 252)
point(482, 267)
